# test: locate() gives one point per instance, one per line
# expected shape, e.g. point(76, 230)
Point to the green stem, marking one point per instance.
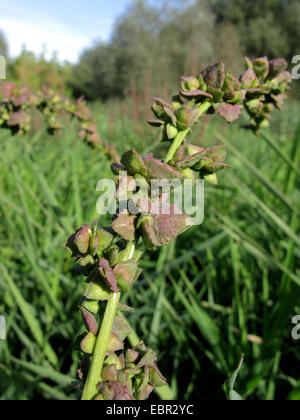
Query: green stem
point(101, 345)
point(182, 134)
point(176, 144)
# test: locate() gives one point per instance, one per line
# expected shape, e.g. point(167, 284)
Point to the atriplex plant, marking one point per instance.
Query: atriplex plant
point(109, 257)
point(19, 105)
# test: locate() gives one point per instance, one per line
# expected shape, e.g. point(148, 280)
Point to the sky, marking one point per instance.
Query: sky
point(62, 26)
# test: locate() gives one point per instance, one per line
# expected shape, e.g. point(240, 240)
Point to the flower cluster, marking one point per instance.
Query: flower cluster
point(216, 91)
point(265, 82)
point(101, 256)
point(18, 105)
point(131, 375)
point(109, 257)
point(15, 107)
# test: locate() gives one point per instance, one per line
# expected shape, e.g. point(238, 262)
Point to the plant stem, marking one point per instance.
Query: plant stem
point(182, 134)
point(176, 144)
point(101, 345)
point(90, 389)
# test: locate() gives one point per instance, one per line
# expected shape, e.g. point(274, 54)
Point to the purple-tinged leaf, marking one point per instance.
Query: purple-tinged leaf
point(248, 79)
point(197, 94)
point(277, 66)
point(109, 373)
point(229, 112)
point(108, 275)
point(155, 123)
point(124, 225)
point(89, 321)
point(160, 170)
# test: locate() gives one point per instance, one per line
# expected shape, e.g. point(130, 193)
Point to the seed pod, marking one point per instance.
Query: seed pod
point(214, 75)
point(97, 290)
point(108, 275)
point(91, 306)
point(190, 83)
point(109, 373)
point(155, 377)
point(89, 321)
point(82, 239)
point(88, 343)
point(186, 117)
point(261, 67)
point(134, 163)
point(127, 272)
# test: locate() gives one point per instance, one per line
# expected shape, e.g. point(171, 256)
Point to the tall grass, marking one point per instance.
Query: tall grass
point(228, 287)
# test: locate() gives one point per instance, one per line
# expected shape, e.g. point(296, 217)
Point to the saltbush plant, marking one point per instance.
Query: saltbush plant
point(18, 104)
point(109, 257)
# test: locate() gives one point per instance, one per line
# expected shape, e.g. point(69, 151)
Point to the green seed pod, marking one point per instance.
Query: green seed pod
point(109, 373)
point(91, 305)
point(105, 238)
point(155, 377)
point(113, 359)
point(88, 343)
point(97, 290)
point(190, 83)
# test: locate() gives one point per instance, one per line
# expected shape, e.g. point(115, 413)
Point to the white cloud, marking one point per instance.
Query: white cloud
point(39, 36)
point(41, 32)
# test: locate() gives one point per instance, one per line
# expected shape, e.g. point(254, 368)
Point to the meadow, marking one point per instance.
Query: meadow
point(227, 287)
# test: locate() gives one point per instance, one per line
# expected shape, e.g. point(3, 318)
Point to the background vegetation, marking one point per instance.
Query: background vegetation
point(156, 42)
point(228, 287)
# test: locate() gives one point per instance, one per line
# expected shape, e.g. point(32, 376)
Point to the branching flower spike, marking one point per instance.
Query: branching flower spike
point(109, 257)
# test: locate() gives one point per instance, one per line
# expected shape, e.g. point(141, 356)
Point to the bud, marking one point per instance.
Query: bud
point(171, 131)
point(127, 272)
point(97, 290)
point(148, 359)
point(261, 67)
point(232, 89)
point(91, 306)
point(115, 343)
point(186, 117)
point(113, 359)
point(156, 123)
point(89, 321)
point(88, 343)
point(159, 108)
point(155, 377)
point(144, 392)
point(190, 83)
point(131, 356)
point(198, 95)
point(190, 161)
point(82, 239)
point(277, 66)
point(109, 373)
point(108, 275)
point(214, 76)
point(134, 163)
point(249, 80)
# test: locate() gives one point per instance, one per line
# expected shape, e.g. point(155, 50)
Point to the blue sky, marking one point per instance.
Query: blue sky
point(65, 26)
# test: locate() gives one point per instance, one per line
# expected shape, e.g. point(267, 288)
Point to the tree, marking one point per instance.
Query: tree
point(3, 45)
